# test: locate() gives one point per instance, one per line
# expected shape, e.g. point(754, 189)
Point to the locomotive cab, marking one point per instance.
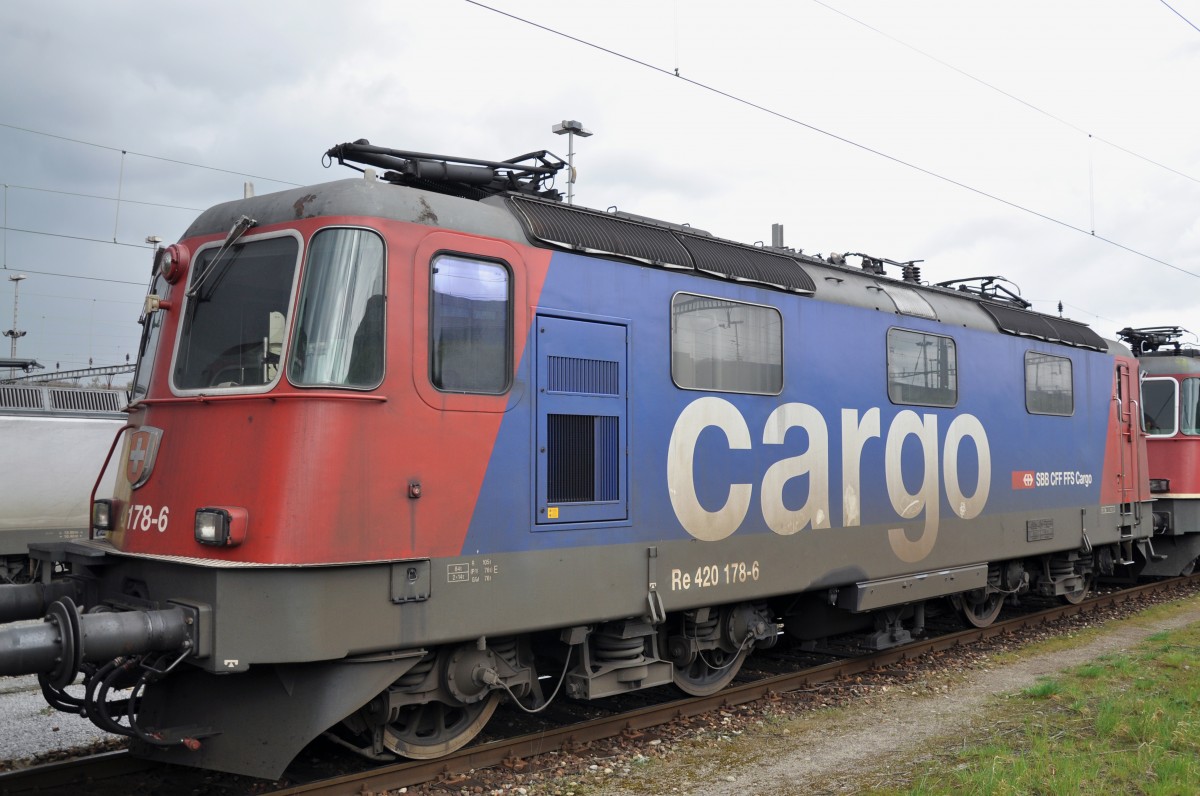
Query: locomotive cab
point(1170, 402)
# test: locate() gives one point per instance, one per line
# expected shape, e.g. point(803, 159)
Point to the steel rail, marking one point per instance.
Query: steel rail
point(76, 774)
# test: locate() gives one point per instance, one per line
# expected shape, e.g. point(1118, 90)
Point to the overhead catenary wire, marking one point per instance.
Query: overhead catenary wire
point(141, 284)
point(123, 200)
point(75, 237)
point(81, 298)
point(850, 142)
point(120, 184)
point(1009, 95)
point(148, 156)
point(5, 228)
point(1181, 16)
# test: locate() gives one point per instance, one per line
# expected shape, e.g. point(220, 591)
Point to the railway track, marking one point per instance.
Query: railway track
point(97, 772)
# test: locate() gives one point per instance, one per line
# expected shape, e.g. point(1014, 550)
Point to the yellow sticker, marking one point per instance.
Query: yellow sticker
point(552, 513)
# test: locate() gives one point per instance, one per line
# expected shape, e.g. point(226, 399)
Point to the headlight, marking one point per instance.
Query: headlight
point(101, 518)
point(173, 261)
point(221, 527)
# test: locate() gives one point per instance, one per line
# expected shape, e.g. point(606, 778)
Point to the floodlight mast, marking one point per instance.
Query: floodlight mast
point(14, 333)
point(570, 128)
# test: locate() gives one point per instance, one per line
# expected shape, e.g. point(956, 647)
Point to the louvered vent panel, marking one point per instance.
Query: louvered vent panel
point(86, 400)
point(608, 464)
point(579, 228)
point(1053, 330)
point(587, 376)
point(571, 458)
point(583, 458)
point(13, 397)
point(747, 264)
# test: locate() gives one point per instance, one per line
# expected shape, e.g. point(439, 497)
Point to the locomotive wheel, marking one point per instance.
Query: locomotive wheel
point(980, 613)
point(711, 671)
point(433, 729)
point(1078, 596)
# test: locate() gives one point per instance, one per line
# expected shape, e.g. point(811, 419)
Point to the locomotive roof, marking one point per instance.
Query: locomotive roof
point(1184, 362)
point(527, 219)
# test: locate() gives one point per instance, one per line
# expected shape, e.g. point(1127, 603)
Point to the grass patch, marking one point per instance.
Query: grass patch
point(1044, 689)
point(1077, 638)
point(1125, 723)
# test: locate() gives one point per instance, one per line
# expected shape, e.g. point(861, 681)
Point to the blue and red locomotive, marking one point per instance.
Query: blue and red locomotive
point(403, 446)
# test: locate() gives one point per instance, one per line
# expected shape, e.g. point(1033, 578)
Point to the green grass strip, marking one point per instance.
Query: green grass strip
point(1124, 723)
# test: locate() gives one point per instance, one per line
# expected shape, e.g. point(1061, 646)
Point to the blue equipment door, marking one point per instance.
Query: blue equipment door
point(581, 429)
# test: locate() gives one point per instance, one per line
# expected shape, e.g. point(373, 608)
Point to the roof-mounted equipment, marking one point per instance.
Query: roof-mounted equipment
point(909, 270)
point(989, 287)
point(1148, 339)
point(1013, 316)
point(531, 174)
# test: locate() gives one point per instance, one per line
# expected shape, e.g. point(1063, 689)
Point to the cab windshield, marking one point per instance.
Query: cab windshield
point(236, 315)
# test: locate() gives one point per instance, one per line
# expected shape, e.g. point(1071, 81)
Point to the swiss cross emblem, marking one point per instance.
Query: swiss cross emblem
point(143, 447)
point(1023, 479)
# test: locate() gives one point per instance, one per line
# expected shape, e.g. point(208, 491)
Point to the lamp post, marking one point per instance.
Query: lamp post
point(13, 332)
point(570, 128)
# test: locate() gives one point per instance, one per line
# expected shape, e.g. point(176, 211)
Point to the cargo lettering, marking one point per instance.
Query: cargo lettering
point(856, 432)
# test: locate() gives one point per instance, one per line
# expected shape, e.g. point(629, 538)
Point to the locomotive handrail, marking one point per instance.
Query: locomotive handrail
point(285, 396)
point(103, 470)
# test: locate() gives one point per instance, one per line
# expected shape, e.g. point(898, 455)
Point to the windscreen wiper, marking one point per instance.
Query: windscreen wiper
point(235, 232)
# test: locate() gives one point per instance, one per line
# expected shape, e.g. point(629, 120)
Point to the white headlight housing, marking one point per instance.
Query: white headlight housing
point(221, 526)
point(101, 518)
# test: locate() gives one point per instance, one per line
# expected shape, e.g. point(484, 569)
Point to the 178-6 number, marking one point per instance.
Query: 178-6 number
point(143, 518)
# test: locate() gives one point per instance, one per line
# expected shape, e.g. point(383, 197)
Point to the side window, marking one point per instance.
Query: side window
point(725, 345)
point(1049, 387)
point(1158, 406)
point(1189, 407)
point(470, 325)
point(922, 368)
point(340, 332)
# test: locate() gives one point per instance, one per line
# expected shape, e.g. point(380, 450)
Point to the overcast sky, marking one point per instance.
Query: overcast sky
point(1061, 118)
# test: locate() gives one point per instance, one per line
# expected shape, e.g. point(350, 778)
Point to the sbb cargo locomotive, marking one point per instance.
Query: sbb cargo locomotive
point(399, 448)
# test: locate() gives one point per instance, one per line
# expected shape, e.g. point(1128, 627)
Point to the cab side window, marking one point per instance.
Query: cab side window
point(470, 325)
point(1189, 407)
